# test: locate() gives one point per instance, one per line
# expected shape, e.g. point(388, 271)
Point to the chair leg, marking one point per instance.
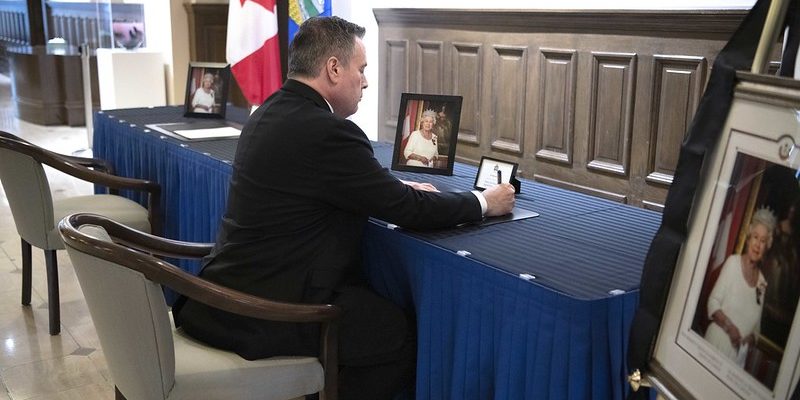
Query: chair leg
point(26, 273)
point(118, 395)
point(54, 304)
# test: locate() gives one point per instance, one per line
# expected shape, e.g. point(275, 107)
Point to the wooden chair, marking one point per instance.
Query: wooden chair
point(148, 357)
point(36, 213)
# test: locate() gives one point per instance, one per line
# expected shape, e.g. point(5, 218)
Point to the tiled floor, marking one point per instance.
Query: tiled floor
point(33, 364)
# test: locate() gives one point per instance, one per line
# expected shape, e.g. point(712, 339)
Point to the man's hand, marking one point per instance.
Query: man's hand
point(425, 187)
point(499, 199)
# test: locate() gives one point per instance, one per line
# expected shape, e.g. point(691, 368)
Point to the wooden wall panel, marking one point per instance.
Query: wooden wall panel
point(509, 77)
point(430, 67)
point(557, 85)
point(615, 197)
point(595, 101)
point(678, 83)
point(652, 206)
point(467, 71)
point(211, 34)
point(611, 114)
point(208, 35)
point(395, 80)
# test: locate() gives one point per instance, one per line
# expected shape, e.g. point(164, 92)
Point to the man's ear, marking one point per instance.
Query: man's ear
point(333, 69)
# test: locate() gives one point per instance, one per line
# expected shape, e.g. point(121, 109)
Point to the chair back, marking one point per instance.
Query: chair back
point(28, 193)
point(128, 311)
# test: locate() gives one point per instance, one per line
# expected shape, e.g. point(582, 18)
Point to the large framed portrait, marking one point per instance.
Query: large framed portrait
point(207, 90)
point(427, 132)
point(730, 328)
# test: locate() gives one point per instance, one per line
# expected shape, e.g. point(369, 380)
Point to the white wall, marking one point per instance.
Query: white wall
point(167, 32)
point(360, 12)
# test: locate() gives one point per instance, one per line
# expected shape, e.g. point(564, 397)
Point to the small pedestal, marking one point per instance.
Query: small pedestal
point(130, 78)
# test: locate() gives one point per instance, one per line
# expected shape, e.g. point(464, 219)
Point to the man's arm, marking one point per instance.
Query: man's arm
point(355, 181)
point(425, 187)
point(494, 202)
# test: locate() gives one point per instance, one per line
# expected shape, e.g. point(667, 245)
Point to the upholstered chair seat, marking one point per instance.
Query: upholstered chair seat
point(118, 208)
point(199, 369)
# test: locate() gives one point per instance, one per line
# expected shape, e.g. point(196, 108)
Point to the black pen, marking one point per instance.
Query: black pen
point(499, 177)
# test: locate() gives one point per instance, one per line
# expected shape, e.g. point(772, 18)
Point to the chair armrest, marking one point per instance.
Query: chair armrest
point(199, 289)
point(77, 167)
point(150, 243)
point(95, 163)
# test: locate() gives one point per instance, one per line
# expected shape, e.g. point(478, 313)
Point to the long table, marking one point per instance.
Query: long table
point(532, 309)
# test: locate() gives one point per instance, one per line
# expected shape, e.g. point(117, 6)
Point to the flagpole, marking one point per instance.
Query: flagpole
point(769, 34)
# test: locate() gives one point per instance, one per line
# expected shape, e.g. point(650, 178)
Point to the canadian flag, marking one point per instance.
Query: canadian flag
point(252, 48)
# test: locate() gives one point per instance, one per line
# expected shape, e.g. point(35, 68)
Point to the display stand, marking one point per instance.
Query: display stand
point(699, 331)
point(130, 78)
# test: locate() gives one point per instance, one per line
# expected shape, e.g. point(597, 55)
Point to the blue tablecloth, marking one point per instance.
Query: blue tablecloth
point(484, 332)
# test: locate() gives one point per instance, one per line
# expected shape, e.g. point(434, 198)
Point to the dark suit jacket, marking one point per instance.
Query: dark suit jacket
point(304, 182)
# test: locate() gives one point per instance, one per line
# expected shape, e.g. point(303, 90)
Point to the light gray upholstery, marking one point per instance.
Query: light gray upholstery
point(149, 359)
point(28, 193)
point(117, 208)
point(36, 214)
point(202, 370)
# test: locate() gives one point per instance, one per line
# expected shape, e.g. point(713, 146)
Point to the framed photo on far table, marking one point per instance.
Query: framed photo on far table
point(427, 132)
point(207, 86)
point(731, 327)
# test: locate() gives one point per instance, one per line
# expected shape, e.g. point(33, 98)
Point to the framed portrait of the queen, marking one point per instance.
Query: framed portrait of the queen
point(206, 90)
point(427, 129)
point(731, 328)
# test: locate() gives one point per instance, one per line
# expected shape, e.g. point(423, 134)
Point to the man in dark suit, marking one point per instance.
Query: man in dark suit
point(304, 182)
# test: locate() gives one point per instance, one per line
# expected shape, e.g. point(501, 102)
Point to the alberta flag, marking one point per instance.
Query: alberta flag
point(301, 10)
point(252, 48)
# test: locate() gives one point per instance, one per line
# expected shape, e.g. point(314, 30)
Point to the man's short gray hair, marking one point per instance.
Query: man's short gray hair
point(318, 39)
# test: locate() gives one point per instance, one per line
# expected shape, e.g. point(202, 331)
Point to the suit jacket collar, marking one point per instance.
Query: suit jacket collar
point(306, 91)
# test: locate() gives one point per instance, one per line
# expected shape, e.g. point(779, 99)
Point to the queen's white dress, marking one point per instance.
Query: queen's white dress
point(739, 301)
point(202, 98)
point(417, 144)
